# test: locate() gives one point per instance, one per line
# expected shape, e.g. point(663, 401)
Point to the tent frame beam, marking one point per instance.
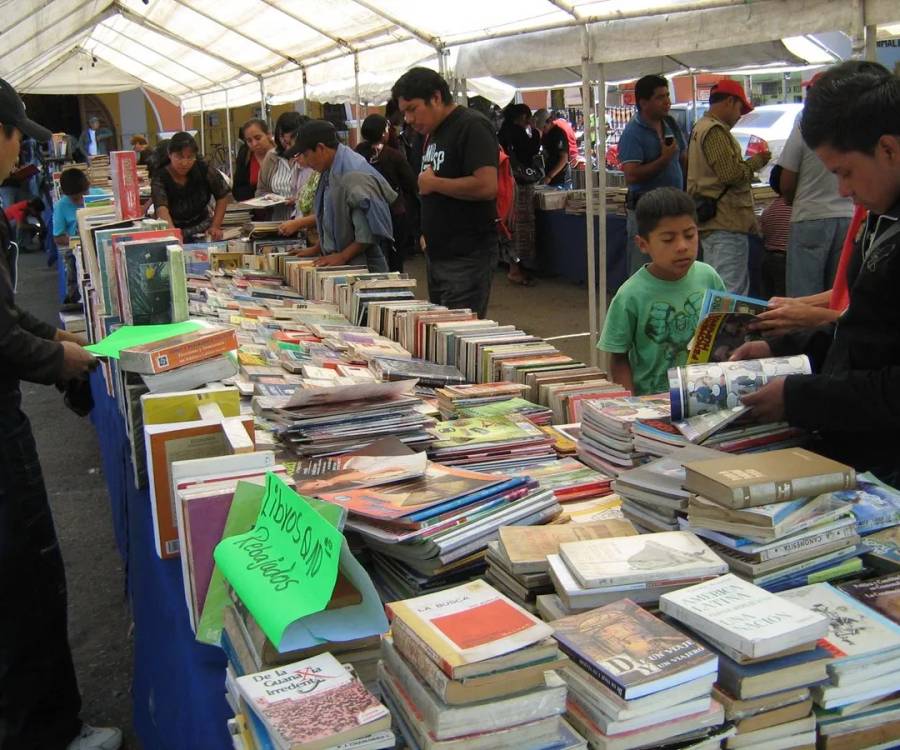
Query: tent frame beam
point(422, 36)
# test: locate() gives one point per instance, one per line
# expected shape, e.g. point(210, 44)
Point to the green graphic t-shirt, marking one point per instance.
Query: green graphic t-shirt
point(654, 320)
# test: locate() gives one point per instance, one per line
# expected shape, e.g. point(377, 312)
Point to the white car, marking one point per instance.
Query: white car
point(766, 127)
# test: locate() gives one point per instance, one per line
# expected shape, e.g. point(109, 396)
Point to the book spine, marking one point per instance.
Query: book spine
point(407, 642)
point(421, 662)
point(592, 669)
point(814, 540)
point(779, 492)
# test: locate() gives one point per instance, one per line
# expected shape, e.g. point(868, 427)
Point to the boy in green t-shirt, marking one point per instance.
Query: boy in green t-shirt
point(653, 316)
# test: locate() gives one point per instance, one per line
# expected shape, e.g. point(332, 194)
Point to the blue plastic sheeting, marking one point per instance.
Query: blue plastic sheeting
point(179, 684)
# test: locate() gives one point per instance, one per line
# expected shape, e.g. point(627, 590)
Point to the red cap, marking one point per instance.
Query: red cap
point(733, 88)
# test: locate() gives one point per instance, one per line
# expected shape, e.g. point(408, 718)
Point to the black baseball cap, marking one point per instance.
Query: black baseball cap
point(310, 135)
point(12, 112)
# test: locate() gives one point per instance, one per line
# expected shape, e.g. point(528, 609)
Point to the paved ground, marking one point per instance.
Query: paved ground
point(99, 616)
point(99, 620)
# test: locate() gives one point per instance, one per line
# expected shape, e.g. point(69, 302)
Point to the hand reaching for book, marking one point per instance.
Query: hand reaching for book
point(767, 404)
point(792, 317)
point(751, 350)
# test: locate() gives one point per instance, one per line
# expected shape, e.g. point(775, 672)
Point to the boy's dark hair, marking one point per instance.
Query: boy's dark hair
point(8, 130)
point(73, 181)
point(36, 205)
point(373, 127)
point(851, 106)
point(646, 87)
point(659, 204)
point(421, 83)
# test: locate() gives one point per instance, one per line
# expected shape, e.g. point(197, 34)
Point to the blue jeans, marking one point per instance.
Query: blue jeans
point(813, 252)
point(636, 258)
point(729, 253)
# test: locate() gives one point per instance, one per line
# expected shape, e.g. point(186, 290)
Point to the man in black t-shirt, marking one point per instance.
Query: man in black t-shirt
point(555, 144)
point(457, 189)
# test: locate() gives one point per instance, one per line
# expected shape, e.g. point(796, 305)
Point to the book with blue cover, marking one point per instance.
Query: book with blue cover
point(715, 301)
point(875, 505)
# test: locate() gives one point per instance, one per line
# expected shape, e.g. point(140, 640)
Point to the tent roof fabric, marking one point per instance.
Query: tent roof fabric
point(186, 49)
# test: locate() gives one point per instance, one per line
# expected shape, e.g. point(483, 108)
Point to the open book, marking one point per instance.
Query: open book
point(706, 397)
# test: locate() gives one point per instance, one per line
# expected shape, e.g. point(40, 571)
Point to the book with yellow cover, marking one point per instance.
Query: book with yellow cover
point(468, 624)
point(182, 406)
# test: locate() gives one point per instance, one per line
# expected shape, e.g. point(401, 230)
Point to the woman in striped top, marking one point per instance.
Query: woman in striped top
point(283, 176)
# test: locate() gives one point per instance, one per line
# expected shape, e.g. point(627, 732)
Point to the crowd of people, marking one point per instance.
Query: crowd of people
point(435, 184)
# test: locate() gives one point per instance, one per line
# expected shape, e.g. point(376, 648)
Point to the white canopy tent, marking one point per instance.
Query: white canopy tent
point(208, 54)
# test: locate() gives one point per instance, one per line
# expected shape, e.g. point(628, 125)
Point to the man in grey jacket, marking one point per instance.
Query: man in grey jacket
point(352, 203)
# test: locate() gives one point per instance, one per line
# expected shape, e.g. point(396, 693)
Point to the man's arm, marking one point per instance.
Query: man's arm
point(730, 171)
point(637, 173)
point(27, 346)
point(480, 186)
point(620, 370)
point(558, 167)
point(787, 183)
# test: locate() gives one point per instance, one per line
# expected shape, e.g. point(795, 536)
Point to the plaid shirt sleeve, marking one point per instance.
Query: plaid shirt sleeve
point(719, 154)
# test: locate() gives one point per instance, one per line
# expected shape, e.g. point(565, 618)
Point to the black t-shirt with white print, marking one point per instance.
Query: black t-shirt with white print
point(464, 142)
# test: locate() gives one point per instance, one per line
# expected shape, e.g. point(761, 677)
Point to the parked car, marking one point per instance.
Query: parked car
point(683, 114)
point(766, 127)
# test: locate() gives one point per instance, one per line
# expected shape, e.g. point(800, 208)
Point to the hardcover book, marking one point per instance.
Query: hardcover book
point(772, 477)
point(668, 555)
point(468, 623)
point(313, 704)
point(743, 616)
point(630, 651)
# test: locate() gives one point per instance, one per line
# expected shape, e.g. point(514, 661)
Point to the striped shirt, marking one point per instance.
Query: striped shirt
point(775, 223)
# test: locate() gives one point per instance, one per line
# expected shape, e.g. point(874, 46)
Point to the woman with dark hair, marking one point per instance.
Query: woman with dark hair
point(392, 165)
point(522, 143)
point(281, 176)
point(257, 143)
point(182, 190)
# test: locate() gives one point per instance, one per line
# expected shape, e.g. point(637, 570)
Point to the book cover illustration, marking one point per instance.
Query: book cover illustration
point(884, 544)
point(628, 408)
point(628, 644)
point(459, 433)
point(718, 335)
point(310, 700)
point(854, 630)
point(635, 559)
point(881, 594)
point(342, 473)
point(875, 504)
point(149, 289)
point(701, 388)
point(715, 301)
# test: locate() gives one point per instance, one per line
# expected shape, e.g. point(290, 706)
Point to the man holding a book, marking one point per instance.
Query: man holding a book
point(852, 403)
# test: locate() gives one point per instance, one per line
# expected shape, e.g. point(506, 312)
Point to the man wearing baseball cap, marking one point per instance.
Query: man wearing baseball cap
point(39, 698)
point(719, 179)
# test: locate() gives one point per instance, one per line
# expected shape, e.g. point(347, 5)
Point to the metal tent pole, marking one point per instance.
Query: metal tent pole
point(601, 184)
point(589, 196)
point(202, 129)
point(356, 95)
point(305, 98)
point(263, 109)
point(228, 137)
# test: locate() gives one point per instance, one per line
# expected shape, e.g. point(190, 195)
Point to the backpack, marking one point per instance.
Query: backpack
point(506, 195)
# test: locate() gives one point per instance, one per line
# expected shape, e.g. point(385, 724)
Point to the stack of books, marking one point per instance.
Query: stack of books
point(635, 681)
point(768, 658)
point(489, 444)
point(517, 561)
point(864, 640)
point(534, 413)
point(467, 668)
point(652, 494)
point(432, 532)
point(569, 479)
point(607, 437)
point(765, 517)
point(875, 720)
point(316, 703)
point(592, 573)
point(452, 398)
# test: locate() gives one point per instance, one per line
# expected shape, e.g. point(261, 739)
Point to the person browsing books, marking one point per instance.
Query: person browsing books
point(182, 190)
point(851, 403)
point(39, 698)
point(653, 316)
point(74, 184)
point(257, 143)
point(457, 188)
point(352, 202)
